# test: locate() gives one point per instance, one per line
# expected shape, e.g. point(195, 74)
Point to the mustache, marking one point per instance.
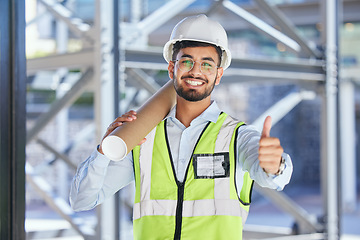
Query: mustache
point(196, 78)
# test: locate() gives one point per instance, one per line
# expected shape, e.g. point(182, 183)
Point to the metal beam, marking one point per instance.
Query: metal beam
point(136, 11)
point(287, 27)
point(162, 15)
point(215, 5)
point(347, 138)
point(35, 19)
point(118, 75)
point(73, 94)
point(105, 67)
point(76, 25)
point(301, 13)
point(144, 80)
point(62, 118)
point(332, 214)
point(262, 26)
point(136, 33)
point(307, 222)
point(84, 134)
point(132, 100)
point(298, 69)
point(311, 236)
point(12, 120)
point(293, 72)
point(266, 75)
point(253, 231)
point(57, 153)
point(145, 65)
point(152, 56)
point(56, 203)
point(283, 107)
point(76, 60)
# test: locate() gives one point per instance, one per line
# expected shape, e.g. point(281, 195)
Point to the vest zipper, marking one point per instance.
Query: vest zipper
point(180, 193)
point(179, 210)
point(180, 185)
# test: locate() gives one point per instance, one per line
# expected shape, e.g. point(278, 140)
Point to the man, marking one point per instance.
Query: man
point(194, 172)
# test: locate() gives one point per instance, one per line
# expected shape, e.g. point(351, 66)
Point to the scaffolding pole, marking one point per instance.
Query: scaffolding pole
point(330, 163)
point(13, 118)
point(106, 65)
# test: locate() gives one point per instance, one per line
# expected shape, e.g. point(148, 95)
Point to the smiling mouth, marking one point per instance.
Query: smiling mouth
point(194, 83)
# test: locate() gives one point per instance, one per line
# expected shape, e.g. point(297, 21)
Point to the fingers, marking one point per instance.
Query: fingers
point(270, 152)
point(271, 147)
point(142, 141)
point(266, 127)
point(126, 117)
point(112, 126)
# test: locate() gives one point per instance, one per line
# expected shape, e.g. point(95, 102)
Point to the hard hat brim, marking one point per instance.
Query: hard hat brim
point(168, 51)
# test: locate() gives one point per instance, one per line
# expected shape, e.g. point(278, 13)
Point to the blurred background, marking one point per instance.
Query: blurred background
point(296, 60)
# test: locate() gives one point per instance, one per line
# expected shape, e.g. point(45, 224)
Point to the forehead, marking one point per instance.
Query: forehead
point(199, 53)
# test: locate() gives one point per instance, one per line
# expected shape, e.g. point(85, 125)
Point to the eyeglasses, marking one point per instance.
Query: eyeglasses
point(206, 67)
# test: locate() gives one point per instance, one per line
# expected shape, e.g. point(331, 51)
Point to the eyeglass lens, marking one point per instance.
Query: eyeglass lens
point(206, 67)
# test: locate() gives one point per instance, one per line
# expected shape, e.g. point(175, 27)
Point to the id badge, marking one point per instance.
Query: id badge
point(215, 165)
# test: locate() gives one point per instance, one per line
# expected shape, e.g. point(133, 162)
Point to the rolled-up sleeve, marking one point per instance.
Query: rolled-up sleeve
point(98, 178)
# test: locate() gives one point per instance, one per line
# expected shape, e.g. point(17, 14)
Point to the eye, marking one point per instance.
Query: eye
point(187, 62)
point(207, 65)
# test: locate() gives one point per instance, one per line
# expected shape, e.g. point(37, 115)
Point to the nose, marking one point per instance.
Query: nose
point(196, 69)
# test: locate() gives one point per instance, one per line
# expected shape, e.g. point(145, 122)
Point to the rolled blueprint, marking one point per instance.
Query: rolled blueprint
point(125, 137)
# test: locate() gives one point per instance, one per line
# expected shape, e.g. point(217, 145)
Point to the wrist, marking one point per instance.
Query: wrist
point(281, 167)
point(99, 149)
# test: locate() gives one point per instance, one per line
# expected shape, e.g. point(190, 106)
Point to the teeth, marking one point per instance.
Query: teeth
point(194, 83)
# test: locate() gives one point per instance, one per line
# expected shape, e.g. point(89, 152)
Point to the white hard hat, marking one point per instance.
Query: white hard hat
point(201, 29)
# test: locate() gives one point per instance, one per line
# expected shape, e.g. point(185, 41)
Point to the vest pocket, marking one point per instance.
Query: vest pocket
point(211, 166)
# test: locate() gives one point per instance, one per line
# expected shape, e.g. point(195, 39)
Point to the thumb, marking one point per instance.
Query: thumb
point(266, 127)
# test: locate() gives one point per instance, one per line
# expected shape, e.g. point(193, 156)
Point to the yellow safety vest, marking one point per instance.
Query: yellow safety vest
point(208, 204)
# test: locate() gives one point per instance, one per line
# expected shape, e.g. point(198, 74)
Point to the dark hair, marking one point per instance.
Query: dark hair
point(187, 43)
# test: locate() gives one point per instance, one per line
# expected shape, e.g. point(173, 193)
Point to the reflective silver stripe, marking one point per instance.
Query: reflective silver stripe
point(208, 207)
point(223, 139)
point(154, 207)
point(204, 207)
point(221, 188)
point(222, 144)
point(146, 151)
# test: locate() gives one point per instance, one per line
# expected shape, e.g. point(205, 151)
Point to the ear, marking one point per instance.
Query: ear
point(219, 75)
point(171, 69)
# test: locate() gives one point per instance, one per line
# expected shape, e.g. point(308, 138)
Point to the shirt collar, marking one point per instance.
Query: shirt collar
point(210, 114)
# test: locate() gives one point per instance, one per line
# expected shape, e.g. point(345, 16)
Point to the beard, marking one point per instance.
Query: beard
point(193, 95)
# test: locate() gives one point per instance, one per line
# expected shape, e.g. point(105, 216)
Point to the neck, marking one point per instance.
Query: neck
point(187, 111)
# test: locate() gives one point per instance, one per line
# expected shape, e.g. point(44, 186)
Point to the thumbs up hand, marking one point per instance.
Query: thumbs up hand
point(270, 150)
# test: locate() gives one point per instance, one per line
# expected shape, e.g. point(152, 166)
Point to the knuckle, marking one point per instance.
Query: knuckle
point(262, 158)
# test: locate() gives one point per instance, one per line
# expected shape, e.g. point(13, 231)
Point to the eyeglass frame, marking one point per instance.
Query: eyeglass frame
point(200, 62)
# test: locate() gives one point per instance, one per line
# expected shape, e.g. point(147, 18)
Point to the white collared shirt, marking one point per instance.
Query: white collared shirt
point(98, 178)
